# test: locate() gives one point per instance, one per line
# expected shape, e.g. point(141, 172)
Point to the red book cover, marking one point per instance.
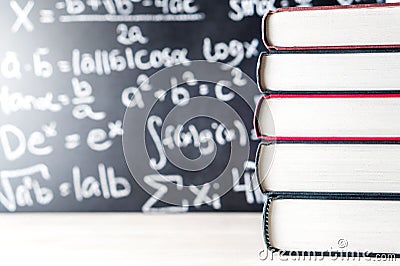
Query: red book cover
point(269, 46)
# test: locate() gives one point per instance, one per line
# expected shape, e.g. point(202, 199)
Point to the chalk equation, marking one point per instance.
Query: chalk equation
point(72, 73)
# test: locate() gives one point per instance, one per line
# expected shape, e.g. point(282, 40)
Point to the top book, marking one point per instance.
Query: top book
point(333, 27)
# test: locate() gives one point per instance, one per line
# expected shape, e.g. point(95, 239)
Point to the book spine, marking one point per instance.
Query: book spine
point(255, 118)
point(259, 75)
point(272, 196)
point(265, 223)
point(269, 46)
point(263, 61)
point(260, 178)
point(332, 139)
point(264, 28)
point(347, 47)
point(262, 136)
point(334, 7)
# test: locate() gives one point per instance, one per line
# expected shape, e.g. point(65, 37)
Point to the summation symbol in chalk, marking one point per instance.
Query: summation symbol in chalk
point(47, 16)
point(64, 66)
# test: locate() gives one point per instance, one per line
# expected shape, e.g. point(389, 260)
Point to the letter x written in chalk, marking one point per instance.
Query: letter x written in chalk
point(22, 16)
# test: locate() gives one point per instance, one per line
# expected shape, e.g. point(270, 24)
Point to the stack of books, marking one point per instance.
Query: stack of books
point(330, 120)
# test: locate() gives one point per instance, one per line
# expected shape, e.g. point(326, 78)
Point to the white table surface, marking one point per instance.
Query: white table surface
point(136, 239)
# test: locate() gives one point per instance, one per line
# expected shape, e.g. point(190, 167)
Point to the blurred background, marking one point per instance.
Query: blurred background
point(71, 69)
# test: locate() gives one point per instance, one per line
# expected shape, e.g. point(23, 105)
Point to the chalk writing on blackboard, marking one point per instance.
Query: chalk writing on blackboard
point(70, 69)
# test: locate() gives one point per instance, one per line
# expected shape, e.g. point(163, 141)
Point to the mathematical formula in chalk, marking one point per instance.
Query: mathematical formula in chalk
point(69, 71)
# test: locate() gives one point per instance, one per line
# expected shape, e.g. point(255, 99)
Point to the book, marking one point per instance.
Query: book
point(371, 25)
point(337, 225)
point(329, 70)
point(330, 124)
point(328, 117)
point(329, 167)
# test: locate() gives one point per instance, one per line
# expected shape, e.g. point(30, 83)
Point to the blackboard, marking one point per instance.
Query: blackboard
point(70, 70)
